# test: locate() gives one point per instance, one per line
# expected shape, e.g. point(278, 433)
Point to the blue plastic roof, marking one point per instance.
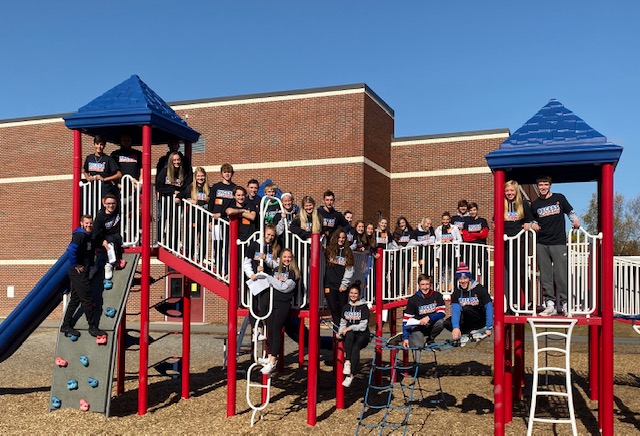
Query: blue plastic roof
point(554, 142)
point(126, 107)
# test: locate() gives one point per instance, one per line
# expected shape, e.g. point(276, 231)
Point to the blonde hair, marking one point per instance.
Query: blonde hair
point(516, 204)
point(316, 225)
point(194, 185)
point(293, 268)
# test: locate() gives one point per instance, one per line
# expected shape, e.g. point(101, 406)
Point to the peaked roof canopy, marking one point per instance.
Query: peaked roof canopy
point(554, 142)
point(126, 107)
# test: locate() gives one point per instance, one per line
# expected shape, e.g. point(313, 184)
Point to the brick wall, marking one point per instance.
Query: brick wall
point(306, 142)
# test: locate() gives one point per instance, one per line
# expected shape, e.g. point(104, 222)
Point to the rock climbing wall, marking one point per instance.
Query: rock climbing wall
point(83, 366)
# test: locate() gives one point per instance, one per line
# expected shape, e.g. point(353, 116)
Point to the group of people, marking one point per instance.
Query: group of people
point(342, 237)
point(101, 231)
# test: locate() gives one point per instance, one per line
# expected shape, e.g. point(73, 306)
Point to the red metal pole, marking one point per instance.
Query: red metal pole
point(379, 307)
point(77, 174)
point(232, 317)
point(122, 331)
point(314, 330)
point(518, 360)
point(606, 212)
point(498, 303)
point(186, 338)
point(508, 375)
point(145, 271)
point(338, 374)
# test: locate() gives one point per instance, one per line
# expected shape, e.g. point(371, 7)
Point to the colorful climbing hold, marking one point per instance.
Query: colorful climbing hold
point(72, 384)
point(84, 360)
point(110, 312)
point(55, 402)
point(92, 382)
point(61, 362)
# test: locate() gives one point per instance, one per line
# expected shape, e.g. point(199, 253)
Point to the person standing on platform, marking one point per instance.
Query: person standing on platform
point(548, 212)
point(99, 166)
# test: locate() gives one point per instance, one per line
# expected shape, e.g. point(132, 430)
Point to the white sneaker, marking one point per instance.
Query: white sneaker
point(347, 381)
point(550, 310)
point(268, 368)
point(258, 335)
point(347, 368)
point(108, 271)
point(565, 309)
point(262, 361)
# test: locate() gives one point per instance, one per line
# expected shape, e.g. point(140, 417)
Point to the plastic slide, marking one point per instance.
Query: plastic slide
point(34, 308)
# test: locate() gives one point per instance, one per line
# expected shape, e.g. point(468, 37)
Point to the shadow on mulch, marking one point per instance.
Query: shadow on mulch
point(167, 391)
point(23, 391)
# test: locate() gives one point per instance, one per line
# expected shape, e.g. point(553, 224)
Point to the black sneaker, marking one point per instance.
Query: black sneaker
point(95, 331)
point(69, 331)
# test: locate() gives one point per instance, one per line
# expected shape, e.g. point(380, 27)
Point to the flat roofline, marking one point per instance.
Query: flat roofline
point(295, 92)
point(452, 135)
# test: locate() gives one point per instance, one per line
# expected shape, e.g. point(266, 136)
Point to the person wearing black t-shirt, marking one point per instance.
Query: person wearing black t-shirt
point(99, 166)
point(471, 306)
point(476, 231)
point(239, 206)
point(222, 191)
point(423, 318)
point(548, 212)
point(331, 218)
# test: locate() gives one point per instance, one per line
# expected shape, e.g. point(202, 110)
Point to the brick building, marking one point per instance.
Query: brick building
point(339, 138)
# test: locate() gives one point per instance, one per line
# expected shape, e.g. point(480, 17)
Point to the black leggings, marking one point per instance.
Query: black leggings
point(275, 323)
point(80, 295)
point(336, 300)
point(353, 343)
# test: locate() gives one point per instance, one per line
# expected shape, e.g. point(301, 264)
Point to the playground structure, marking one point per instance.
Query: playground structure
point(213, 262)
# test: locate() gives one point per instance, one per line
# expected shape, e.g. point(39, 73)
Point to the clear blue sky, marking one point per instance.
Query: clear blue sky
point(442, 66)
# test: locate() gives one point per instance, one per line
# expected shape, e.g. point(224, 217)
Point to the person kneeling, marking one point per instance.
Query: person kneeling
point(471, 306)
point(355, 331)
point(424, 316)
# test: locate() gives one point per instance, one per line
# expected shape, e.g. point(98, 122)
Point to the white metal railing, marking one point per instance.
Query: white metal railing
point(128, 204)
point(521, 278)
point(626, 286)
point(190, 232)
point(582, 253)
point(401, 267)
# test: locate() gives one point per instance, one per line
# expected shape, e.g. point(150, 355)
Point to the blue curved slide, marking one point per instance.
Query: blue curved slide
point(34, 309)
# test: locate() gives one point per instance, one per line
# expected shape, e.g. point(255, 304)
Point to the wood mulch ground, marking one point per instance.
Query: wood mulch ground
point(466, 376)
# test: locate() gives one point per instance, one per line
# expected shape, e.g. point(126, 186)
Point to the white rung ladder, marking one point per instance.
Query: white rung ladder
point(554, 328)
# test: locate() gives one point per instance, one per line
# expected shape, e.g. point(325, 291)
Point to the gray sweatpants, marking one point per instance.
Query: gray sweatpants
point(552, 263)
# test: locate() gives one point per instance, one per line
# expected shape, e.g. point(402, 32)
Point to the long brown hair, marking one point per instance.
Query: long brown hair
point(332, 249)
point(172, 174)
